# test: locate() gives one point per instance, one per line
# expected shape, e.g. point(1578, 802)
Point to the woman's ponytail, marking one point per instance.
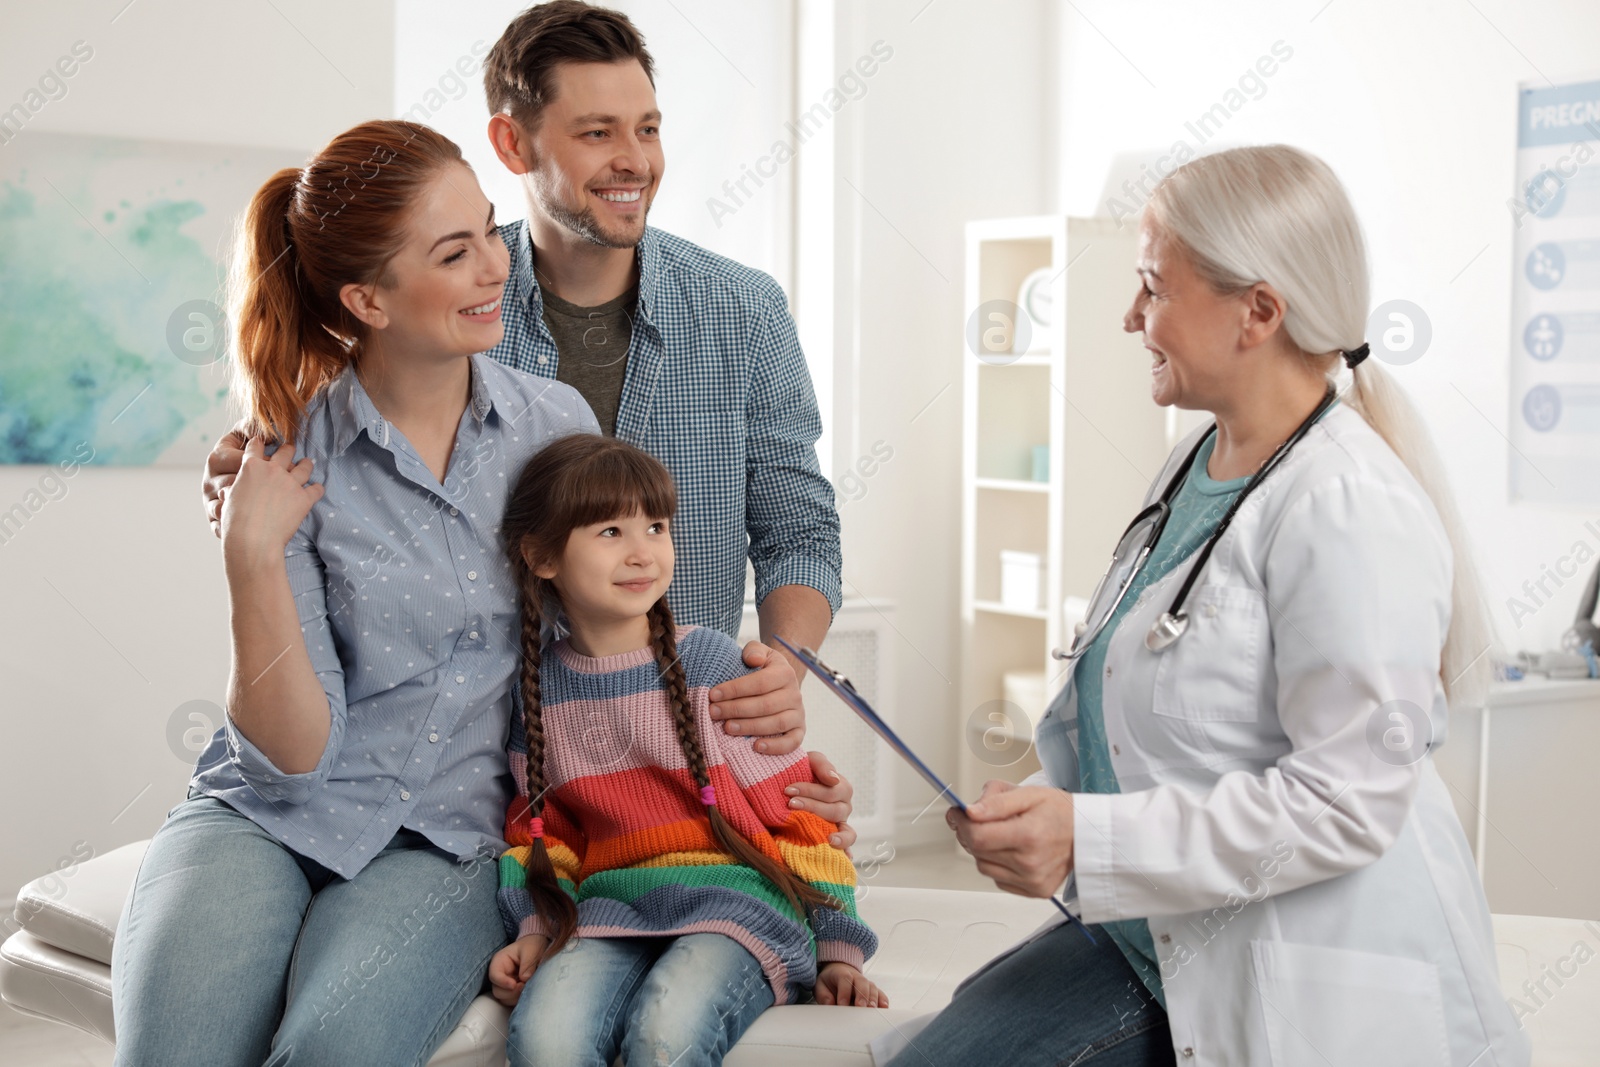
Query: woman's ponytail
point(1465, 665)
point(269, 314)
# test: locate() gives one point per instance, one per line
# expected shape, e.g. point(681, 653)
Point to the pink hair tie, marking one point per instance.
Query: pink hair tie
point(536, 827)
point(708, 796)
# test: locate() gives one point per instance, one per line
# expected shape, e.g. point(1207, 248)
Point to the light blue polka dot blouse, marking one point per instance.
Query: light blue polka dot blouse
point(409, 615)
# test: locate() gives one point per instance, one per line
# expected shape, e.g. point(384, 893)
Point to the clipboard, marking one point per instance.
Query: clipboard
point(842, 687)
point(846, 692)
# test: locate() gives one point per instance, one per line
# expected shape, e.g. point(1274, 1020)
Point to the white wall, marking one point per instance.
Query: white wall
point(1414, 106)
point(955, 126)
point(114, 608)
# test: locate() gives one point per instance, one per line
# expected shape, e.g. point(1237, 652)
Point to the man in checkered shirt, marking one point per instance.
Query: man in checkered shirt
point(689, 355)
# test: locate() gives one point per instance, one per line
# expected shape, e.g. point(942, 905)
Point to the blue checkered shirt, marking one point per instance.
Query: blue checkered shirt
point(717, 389)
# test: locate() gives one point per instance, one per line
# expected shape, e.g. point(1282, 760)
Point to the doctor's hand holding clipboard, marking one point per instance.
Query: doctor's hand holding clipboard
point(987, 828)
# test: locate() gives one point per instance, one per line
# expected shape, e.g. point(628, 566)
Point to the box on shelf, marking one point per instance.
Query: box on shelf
point(1021, 580)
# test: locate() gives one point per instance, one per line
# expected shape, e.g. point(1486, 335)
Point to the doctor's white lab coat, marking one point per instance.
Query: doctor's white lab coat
point(1307, 883)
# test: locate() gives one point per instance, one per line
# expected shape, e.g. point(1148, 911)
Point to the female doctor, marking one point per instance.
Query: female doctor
point(1236, 785)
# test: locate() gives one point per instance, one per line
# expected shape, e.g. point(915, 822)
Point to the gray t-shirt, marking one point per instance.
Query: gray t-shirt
point(592, 345)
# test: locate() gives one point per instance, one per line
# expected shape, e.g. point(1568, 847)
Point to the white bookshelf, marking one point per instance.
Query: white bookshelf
point(1083, 389)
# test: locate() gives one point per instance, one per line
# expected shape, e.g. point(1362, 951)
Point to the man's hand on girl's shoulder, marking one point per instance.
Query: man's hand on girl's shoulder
point(764, 703)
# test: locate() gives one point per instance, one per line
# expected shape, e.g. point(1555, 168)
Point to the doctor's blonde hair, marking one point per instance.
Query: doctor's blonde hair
point(1279, 215)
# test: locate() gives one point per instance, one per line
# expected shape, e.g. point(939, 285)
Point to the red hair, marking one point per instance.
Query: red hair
point(306, 234)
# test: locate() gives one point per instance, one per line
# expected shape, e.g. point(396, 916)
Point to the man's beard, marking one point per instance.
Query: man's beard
point(587, 225)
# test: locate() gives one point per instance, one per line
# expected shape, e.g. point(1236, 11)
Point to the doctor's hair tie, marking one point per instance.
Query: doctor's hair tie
point(1354, 357)
point(708, 796)
point(536, 827)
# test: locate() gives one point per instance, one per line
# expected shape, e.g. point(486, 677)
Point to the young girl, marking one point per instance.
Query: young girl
point(697, 895)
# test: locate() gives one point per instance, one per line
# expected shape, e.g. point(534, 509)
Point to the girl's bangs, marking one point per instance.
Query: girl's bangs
point(617, 485)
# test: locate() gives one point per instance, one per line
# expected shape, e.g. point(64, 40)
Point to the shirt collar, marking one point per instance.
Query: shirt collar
point(649, 259)
point(353, 411)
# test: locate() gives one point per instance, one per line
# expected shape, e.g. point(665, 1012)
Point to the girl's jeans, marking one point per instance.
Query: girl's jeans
point(682, 1001)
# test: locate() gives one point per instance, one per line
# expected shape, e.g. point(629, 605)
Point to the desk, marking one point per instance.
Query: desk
point(1522, 773)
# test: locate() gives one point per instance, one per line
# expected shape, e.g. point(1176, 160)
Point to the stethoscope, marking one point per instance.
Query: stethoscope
point(1139, 540)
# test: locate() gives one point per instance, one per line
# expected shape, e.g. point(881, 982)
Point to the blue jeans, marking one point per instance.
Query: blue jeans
point(1058, 1000)
point(683, 1000)
point(235, 950)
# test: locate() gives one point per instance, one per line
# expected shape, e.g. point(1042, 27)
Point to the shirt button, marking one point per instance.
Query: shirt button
point(453, 511)
point(405, 795)
point(461, 679)
point(472, 576)
point(1189, 1052)
point(1211, 611)
point(433, 737)
point(544, 359)
point(473, 635)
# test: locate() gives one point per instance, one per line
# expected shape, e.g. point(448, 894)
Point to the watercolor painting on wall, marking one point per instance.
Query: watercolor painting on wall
point(113, 257)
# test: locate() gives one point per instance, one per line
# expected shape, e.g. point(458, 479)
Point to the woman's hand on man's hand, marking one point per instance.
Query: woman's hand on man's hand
point(512, 966)
point(1021, 836)
point(268, 501)
point(222, 468)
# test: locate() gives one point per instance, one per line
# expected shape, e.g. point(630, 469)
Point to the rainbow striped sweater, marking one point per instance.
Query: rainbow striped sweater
point(628, 836)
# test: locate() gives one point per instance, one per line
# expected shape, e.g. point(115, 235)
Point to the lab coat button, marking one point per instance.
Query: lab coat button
point(1166, 939)
point(1108, 672)
point(1188, 1052)
point(1211, 611)
point(1116, 750)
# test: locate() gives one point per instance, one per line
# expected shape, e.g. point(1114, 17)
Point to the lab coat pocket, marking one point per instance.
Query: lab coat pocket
point(1214, 672)
point(1324, 1005)
point(1056, 742)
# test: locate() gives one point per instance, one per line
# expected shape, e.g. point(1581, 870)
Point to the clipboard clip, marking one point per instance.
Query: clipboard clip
point(815, 661)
